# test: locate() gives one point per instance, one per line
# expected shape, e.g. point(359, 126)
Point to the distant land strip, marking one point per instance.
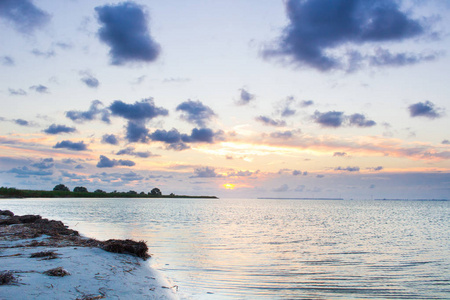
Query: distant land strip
point(16, 193)
point(309, 198)
point(398, 199)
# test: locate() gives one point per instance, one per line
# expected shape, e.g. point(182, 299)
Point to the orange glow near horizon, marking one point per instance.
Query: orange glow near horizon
point(229, 186)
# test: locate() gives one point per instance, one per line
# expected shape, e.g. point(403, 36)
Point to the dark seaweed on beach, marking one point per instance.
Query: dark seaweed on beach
point(44, 255)
point(138, 249)
point(7, 277)
point(6, 213)
point(59, 271)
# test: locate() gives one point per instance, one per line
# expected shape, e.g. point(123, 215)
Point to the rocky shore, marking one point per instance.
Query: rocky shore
point(43, 259)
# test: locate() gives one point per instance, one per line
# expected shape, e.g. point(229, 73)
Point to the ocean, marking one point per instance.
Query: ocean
point(274, 248)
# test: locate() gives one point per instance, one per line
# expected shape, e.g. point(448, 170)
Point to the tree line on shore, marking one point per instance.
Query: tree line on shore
point(62, 191)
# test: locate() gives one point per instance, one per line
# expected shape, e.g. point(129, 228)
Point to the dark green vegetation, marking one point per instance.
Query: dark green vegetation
point(61, 191)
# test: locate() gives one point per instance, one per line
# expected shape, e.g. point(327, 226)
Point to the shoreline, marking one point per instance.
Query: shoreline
point(43, 259)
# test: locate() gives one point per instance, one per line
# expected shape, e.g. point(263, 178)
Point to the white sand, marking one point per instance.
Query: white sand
point(94, 274)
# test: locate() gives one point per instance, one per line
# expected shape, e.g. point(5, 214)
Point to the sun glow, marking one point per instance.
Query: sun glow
point(229, 186)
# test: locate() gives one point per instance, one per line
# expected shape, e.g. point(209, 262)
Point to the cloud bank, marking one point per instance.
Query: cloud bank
point(318, 28)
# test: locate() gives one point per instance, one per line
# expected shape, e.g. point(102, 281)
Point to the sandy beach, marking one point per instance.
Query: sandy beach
point(43, 259)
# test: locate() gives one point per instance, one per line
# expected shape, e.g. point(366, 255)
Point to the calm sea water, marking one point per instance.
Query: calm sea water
point(276, 249)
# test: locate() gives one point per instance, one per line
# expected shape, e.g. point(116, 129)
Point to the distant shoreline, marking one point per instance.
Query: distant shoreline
point(12, 193)
point(277, 198)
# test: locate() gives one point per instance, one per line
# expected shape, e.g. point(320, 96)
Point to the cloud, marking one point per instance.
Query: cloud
point(168, 137)
point(360, 121)
point(379, 168)
point(177, 140)
point(195, 112)
point(282, 188)
point(338, 119)
point(46, 163)
point(300, 188)
point(110, 139)
point(306, 103)
point(76, 146)
point(110, 163)
point(21, 122)
point(446, 142)
point(285, 107)
point(202, 135)
point(69, 161)
point(7, 61)
point(329, 119)
point(115, 177)
point(23, 14)
point(282, 134)
point(56, 129)
point(245, 97)
point(136, 132)
point(297, 172)
point(339, 154)
point(425, 109)
point(72, 176)
point(130, 151)
point(91, 114)
point(63, 45)
point(139, 111)
point(39, 88)
point(348, 169)
point(18, 92)
point(205, 172)
point(384, 57)
point(88, 79)
point(178, 146)
point(124, 29)
point(45, 54)
point(25, 172)
point(318, 28)
point(242, 174)
point(176, 80)
point(269, 121)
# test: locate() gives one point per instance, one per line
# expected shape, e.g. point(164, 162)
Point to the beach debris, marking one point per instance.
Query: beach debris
point(12, 255)
point(138, 249)
point(91, 296)
point(175, 287)
point(7, 277)
point(59, 271)
point(45, 255)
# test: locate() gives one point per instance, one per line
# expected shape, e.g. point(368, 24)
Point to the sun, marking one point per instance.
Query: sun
point(229, 186)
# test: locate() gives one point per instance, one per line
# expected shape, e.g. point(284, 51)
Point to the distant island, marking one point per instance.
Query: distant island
point(61, 191)
point(309, 198)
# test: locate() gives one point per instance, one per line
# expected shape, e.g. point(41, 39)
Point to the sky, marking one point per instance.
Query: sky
point(257, 98)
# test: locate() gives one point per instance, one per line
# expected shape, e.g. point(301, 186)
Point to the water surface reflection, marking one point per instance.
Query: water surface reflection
point(276, 249)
